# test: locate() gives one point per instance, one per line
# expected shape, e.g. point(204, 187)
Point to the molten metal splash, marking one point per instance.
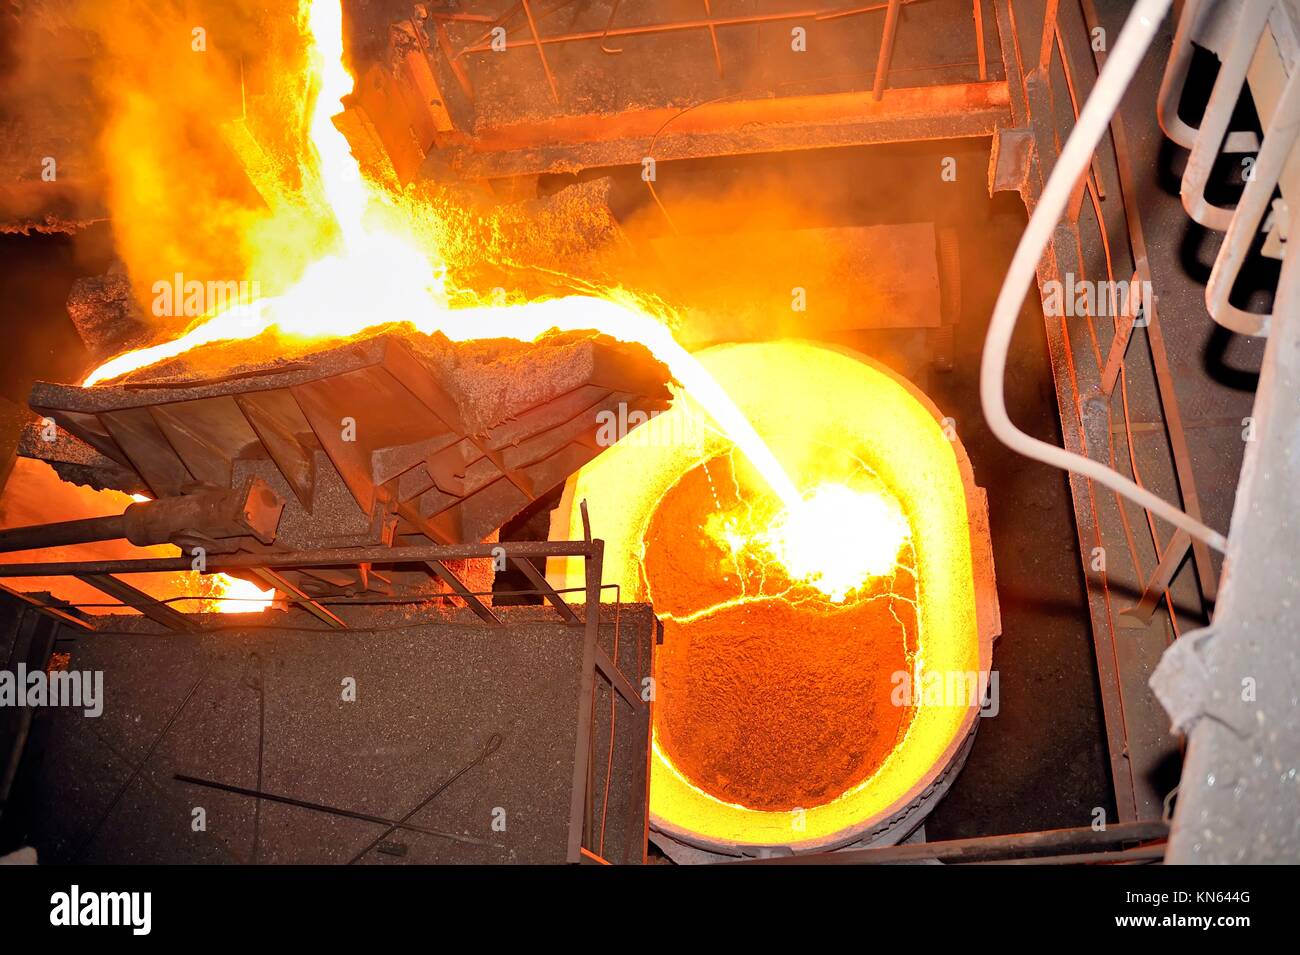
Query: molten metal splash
point(898, 453)
point(377, 273)
point(224, 594)
point(838, 539)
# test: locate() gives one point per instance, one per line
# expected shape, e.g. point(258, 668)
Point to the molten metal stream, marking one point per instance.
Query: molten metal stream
point(379, 270)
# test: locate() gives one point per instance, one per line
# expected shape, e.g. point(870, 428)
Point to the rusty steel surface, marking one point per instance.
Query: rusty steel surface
point(733, 127)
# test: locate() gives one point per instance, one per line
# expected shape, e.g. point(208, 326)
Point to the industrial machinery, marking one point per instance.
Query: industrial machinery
point(625, 432)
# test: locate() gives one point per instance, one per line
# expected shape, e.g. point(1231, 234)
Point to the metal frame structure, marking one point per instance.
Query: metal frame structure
point(265, 460)
point(1045, 58)
point(1125, 843)
point(1251, 740)
point(1205, 680)
point(1137, 599)
point(889, 33)
point(103, 574)
point(423, 109)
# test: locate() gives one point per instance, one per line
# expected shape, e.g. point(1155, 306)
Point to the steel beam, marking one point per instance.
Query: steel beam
point(983, 848)
point(1170, 560)
point(549, 592)
point(50, 610)
point(333, 557)
point(610, 671)
point(580, 803)
point(318, 610)
point(138, 600)
point(730, 127)
point(448, 577)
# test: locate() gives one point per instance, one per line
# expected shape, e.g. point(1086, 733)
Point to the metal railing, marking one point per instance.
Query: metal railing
point(584, 840)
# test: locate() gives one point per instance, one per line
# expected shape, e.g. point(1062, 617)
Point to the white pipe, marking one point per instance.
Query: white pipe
point(1115, 76)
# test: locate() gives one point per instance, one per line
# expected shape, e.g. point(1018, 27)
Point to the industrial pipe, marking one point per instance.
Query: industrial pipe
point(253, 510)
point(63, 533)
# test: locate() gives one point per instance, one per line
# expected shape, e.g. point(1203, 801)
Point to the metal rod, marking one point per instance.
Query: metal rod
point(540, 582)
point(541, 52)
point(63, 533)
point(153, 609)
point(332, 557)
point(1175, 76)
point(713, 36)
point(1074, 105)
point(1251, 21)
point(281, 583)
point(1274, 156)
point(1048, 37)
point(1142, 855)
point(444, 573)
point(1155, 339)
point(453, 60)
point(493, 744)
point(609, 669)
point(983, 848)
point(1123, 333)
point(332, 810)
point(136, 770)
point(1161, 577)
point(579, 805)
point(654, 28)
point(336, 601)
point(886, 47)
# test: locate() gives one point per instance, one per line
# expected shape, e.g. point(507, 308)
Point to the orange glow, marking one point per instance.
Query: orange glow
point(34, 491)
point(821, 437)
point(377, 272)
point(839, 539)
point(382, 265)
point(225, 594)
point(233, 595)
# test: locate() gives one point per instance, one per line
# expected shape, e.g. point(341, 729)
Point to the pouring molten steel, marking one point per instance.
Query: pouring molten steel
point(380, 266)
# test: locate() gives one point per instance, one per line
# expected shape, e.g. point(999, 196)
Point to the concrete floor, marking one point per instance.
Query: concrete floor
point(260, 704)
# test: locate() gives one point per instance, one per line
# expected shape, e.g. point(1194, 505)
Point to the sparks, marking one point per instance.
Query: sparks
point(838, 539)
point(337, 297)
